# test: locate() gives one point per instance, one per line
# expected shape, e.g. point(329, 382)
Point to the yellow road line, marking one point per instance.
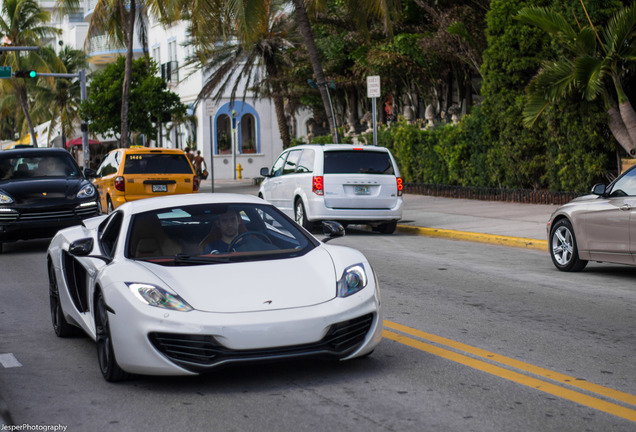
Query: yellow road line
point(546, 373)
point(534, 383)
point(477, 237)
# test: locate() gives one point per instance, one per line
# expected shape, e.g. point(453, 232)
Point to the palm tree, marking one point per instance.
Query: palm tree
point(239, 60)
point(386, 9)
point(119, 19)
point(61, 101)
point(23, 22)
point(594, 65)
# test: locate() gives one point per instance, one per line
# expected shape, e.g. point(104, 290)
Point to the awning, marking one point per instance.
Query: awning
point(78, 141)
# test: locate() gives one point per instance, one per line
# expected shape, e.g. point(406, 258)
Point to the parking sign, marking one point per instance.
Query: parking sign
point(373, 86)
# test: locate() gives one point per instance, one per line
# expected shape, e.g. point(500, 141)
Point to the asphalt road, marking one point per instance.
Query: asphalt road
point(477, 337)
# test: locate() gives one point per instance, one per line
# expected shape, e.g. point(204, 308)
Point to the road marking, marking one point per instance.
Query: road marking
point(517, 377)
point(9, 361)
point(500, 240)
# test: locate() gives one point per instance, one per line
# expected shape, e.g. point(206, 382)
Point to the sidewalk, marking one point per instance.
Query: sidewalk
point(505, 223)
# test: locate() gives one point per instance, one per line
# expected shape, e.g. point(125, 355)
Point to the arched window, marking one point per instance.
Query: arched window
point(223, 135)
point(248, 134)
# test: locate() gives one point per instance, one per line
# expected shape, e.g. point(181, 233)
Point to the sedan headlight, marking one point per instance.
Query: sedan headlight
point(353, 279)
point(5, 198)
point(86, 192)
point(158, 297)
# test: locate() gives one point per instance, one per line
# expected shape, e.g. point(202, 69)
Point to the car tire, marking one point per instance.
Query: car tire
point(386, 228)
point(105, 352)
point(109, 206)
point(300, 216)
point(0, 248)
point(60, 326)
point(563, 249)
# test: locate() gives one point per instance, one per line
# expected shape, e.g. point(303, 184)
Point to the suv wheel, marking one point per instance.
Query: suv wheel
point(300, 216)
point(386, 228)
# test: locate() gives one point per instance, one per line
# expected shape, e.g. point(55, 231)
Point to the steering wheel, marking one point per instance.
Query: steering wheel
point(241, 237)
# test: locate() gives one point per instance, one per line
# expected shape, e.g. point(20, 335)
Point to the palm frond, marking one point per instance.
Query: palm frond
point(589, 74)
point(549, 21)
point(533, 109)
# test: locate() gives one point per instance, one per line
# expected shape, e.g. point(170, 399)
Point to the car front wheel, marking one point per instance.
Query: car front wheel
point(105, 352)
point(61, 327)
point(563, 249)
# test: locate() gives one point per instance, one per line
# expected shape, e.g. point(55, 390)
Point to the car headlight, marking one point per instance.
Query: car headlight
point(158, 297)
point(87, 191)
point(353, 279)
point(5, 198)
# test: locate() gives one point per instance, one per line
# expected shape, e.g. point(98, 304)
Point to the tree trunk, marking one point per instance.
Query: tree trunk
point(619, 130)
point(129, 31)
point(308, 37)
point(629, 120)
point(279, 107)
point(24, 103)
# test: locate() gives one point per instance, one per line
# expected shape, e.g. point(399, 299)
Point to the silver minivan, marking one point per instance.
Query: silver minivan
point(351, 184)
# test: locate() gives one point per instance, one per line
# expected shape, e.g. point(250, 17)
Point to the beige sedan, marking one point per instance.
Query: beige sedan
point(596, 227)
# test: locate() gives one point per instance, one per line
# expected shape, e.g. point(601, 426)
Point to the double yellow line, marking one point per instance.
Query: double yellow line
point(406, 337)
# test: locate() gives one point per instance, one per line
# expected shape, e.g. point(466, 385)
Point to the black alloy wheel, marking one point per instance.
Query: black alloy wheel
point(105, 352)
point(60, 326)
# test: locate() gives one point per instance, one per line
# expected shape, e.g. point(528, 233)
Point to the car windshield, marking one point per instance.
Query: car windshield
point(37, 166)
point(215, 233)
point(357, 162)
point(157, 163)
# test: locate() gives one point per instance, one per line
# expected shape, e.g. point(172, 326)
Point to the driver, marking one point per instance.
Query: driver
point(228, 225)
point(230, 239)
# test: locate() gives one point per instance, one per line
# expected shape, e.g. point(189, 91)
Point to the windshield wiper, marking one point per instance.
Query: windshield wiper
point(188, 259)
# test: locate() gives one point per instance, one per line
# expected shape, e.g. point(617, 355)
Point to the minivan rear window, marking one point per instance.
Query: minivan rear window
point(357, 162)
point(149, 163)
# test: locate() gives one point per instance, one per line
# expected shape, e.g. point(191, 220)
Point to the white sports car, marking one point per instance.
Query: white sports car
point(179, 285)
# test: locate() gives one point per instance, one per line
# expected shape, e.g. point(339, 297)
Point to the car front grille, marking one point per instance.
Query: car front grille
point(43, 215)
point(200, 352)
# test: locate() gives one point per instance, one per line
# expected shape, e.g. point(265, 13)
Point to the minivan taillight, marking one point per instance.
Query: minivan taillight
point(119, 184)
point(400, 186)
point(196, 182)
point(318, 186)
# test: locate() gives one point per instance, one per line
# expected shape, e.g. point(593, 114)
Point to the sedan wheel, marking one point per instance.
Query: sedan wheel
point(61, 327)
point(563, 249)
point(301, 217)
point(105, 353)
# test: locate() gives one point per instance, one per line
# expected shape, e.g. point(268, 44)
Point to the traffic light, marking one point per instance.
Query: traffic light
point(25, 74)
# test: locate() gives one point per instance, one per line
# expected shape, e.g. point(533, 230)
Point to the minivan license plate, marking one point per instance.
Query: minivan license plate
point(159, 188)
point(362, 190)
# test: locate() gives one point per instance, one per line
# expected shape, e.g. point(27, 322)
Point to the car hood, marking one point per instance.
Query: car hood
point(254, 286)
point(38, 190)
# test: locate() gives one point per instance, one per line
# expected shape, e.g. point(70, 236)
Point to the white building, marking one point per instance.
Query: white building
point(256, 140)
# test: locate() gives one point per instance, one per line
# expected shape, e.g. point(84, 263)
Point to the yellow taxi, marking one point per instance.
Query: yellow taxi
point(129, 174)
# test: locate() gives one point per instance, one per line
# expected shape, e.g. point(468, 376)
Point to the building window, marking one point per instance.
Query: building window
point(223, 135)
point(248, 134)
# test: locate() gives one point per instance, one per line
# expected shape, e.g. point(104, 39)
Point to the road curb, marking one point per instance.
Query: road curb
point(519, 242)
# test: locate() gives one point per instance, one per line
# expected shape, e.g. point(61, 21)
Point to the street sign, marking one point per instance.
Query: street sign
point(373, 86)
point(5, 71)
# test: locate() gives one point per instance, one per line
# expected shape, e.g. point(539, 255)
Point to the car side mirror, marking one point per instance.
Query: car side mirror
point(90, 173)
point(81, 247)
point(332, 230)
point(599, 189)
point(265, 172)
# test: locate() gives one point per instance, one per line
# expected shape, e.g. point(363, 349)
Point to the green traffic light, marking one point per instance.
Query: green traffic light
point(32, 74)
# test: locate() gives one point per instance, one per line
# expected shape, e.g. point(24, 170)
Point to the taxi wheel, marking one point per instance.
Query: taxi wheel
point(109, 206)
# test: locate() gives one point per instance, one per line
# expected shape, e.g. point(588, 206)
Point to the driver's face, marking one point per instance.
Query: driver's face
point(228, 223)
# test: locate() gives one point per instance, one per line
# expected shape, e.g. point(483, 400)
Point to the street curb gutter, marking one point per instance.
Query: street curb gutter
point(519, 242)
